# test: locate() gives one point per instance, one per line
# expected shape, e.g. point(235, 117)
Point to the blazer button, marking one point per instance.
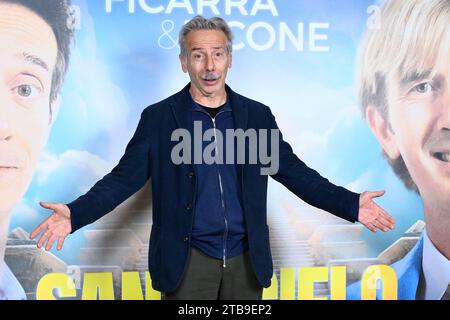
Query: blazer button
point(191, 175)
point(186, 239)
point(189, 206)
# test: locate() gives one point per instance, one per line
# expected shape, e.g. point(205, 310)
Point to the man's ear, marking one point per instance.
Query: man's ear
point(231, 61)
point(54, 109)
point(381, 129)
point(183, 61)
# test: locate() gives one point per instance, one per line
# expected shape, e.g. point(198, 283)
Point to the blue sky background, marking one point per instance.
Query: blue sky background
point(118, 68)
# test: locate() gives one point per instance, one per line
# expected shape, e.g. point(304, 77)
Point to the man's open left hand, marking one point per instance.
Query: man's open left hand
point(372, 215)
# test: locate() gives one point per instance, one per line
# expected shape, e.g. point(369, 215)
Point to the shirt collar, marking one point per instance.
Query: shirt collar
point(436, 270)
point(197, 107)
point(10, 288)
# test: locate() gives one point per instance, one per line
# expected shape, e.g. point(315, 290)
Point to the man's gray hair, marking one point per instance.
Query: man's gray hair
point(200, 23)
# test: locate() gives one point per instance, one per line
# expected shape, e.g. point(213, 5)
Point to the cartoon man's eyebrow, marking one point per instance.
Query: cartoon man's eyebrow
point(34, 60)
point(415, 76)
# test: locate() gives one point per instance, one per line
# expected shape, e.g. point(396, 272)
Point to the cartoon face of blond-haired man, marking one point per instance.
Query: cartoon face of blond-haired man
point(404, 91)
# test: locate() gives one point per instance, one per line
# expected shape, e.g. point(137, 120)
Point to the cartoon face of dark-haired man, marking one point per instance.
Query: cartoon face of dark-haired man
point(35, 40)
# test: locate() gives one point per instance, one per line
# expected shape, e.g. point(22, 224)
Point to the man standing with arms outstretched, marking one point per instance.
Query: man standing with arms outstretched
point(209, 238)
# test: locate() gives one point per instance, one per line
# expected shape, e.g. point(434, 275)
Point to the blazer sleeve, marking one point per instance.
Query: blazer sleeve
point(130, 174)
point(310, 186)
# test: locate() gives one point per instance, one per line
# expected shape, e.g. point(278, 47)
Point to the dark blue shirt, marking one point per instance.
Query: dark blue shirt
point(219, 226)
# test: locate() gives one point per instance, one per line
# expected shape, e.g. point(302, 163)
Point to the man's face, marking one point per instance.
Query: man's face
point(207, 61)
point(28, 53)
point(419, 116)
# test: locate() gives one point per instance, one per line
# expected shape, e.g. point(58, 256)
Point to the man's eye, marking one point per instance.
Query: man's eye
point(424, 88)
point(26, 91)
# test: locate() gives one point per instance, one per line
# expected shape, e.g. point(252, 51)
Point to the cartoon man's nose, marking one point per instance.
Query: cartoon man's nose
point(5, 131)
point(446, 108)
point(447, 96)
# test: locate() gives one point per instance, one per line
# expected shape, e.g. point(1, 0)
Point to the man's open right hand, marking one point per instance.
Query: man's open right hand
point(55, 228)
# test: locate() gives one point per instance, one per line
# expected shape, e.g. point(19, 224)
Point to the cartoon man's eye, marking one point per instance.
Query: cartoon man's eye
point(424, 88)
point(26, 91)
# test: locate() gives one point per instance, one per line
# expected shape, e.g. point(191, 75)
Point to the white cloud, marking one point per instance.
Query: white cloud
point(363, 181)
point(82, 162)
point(308, 113)
point(23, 213)
point(98, 106)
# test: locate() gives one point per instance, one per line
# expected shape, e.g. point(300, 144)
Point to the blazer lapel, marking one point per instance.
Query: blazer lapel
point(181, 108)
point(240, 111)
point(240, 118)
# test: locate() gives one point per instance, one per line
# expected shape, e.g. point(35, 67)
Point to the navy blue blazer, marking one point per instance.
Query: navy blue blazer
point(148, 154)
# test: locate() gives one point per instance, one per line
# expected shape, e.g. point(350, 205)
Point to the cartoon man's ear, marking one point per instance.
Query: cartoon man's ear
point(54, 109)
point(381, 129)
point(183, 61)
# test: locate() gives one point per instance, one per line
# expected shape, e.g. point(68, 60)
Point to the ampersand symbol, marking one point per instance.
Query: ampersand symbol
point(166, 41)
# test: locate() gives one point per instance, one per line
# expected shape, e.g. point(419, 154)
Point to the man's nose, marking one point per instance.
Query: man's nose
point(210, 66)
